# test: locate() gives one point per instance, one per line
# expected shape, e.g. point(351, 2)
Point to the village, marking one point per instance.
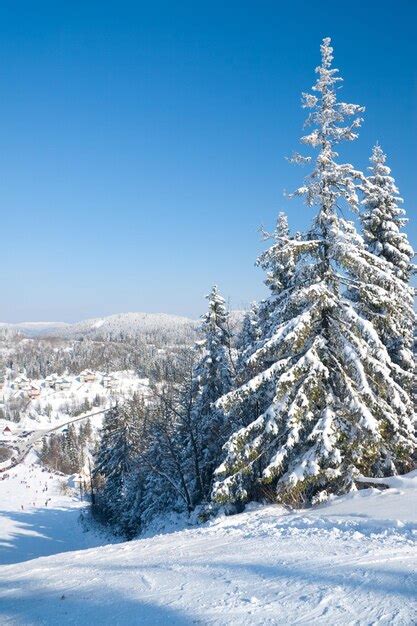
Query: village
point(33, 404)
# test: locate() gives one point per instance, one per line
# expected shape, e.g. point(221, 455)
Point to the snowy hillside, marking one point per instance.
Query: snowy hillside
point(128, 324)
point(350, 561)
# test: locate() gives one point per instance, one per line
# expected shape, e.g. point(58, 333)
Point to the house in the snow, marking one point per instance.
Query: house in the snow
point(50, 380)
point(87, 376)
point(61, 384)
point(7, 431)
point(21, 383)
point(34, 392)
point(108, 381)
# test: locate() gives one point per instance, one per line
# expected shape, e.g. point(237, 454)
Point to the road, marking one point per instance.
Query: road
point(26, 445)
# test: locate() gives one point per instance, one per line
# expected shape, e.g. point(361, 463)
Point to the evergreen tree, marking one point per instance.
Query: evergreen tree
point(213, 377)
point(88, 430)
point(215, 369)
point(115, 460)
point(330, 406)
point(383, 221)
point(72, 449)
point(250, 332)
point(249, 336)
point(168, 461)
point(279, 268)
point(263, 317)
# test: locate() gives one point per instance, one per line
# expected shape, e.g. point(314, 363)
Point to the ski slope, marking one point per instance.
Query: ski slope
point(36, 518)
point(350, 561)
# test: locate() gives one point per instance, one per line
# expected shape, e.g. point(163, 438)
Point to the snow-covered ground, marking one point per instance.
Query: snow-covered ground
point(350, 561)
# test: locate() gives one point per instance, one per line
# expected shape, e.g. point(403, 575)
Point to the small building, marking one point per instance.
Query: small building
point(21, 383)
point(34, 392)
point(7, 431)
point(87, 376)
point(50, 380)
point(61, 384)
point(108, 381)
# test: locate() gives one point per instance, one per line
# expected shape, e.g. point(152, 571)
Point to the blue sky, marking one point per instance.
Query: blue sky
point(143, 144)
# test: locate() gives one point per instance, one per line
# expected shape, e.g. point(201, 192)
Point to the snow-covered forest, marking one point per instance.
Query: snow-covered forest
point(315, 391)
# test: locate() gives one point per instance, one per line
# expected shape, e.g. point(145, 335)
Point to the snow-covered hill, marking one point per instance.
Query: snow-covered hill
point(130, 324)
point(127, 324)
point(350, 561)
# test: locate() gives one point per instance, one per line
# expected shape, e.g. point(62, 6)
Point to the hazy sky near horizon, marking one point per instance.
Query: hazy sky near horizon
point(143, 144)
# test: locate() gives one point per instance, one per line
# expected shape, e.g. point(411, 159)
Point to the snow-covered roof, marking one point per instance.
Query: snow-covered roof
point(21, 379)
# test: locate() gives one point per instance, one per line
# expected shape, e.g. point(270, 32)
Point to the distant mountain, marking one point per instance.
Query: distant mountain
point(35, 329)
point(170, 327)
point(113, 326)
point(130, 325)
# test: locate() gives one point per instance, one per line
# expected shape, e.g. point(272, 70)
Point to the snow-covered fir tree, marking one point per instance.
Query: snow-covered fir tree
point(330, 406)
point(259, 325)
point(213, 377)
point(384, 218)
point(383, 222)
point(278, 267)
point(166, 482)
point(73, 449)
point(115, 461)
point(250, 332)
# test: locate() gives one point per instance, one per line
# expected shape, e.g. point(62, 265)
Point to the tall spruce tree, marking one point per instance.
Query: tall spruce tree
point(262, 321)
point(383, 221)
point(115, 461)
point(72, 449)
point(332, 407)
point(213, 377)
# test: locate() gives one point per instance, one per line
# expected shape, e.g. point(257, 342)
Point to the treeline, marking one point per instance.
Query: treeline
point(75, 407)
point(161, 455)
point(41, 357)
point(67, 452)
point(318, 388)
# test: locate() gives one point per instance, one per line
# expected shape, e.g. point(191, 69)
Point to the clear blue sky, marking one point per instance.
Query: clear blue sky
point(144, 143)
